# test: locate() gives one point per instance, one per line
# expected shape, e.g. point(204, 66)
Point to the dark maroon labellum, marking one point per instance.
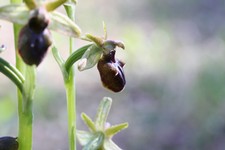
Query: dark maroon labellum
point(111, 72)
point(33, 46)
point(8, 143)
point(35, 38)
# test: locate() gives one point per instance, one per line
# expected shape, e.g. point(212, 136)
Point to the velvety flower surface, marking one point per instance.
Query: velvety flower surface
point(8, 143)
point(111, 72)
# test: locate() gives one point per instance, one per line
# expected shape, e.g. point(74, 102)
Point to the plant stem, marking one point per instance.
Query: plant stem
point(24, 99)
point(71, 102)
point(25, 110)
point(71, 89)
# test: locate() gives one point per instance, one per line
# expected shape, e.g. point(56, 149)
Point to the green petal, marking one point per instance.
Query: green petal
point(84, 137)
point(96, 142)
point(90, 58)
point(61, 23)
point(87, 120)
point(15, 13)
point(110, 145)
point(115, 129)
point(103, 111)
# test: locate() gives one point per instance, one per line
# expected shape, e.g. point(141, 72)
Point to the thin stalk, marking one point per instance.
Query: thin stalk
point(24, 99)
point(71, 102)
point(71, 89)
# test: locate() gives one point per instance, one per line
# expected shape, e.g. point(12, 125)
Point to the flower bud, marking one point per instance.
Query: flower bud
point(8, 143)
point(111, 72)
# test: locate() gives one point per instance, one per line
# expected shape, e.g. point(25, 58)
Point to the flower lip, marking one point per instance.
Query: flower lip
point(33, 46)
point(111, 72)
point(9, 143)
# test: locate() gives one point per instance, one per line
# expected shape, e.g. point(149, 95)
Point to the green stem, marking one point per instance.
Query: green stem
point(24, 99)
point(25, 110)
point(71, 110)
point(70, 89)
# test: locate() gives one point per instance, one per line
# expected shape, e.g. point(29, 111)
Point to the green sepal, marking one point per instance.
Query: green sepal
point(15, 13)
point(90, 58)
point(96, 142)
point(62, 24)
point(111, 131)
point(52, 5)
point(97, 40)
point(87, 120)
point(31, 4)
point(102, 114)
point(83, 137)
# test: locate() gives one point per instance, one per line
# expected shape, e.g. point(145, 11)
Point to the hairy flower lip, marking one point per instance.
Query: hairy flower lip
point(33, 46)
point(111, 72)
point(9, 143)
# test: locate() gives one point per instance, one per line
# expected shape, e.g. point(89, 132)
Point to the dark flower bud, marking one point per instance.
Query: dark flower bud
point(33, 46)
point(111, 72)
point(8, 143)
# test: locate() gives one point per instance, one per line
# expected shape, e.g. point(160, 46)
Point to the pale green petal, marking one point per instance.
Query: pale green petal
point(87, 120)
point(111, 131)
point(84, 137)
point(96, 142)
point(90, 58)
point(62, 24)
point(102, 114)
point(110, 145)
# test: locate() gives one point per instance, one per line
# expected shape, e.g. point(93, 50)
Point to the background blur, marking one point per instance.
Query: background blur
point(174, 97)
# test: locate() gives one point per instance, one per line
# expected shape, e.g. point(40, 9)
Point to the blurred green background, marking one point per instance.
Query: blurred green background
point(174, 97)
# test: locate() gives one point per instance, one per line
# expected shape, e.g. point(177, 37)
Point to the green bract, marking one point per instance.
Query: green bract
point(100, 135)
point(90, 58)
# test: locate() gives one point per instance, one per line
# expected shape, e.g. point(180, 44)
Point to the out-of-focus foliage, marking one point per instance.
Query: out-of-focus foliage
point(175, 93)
